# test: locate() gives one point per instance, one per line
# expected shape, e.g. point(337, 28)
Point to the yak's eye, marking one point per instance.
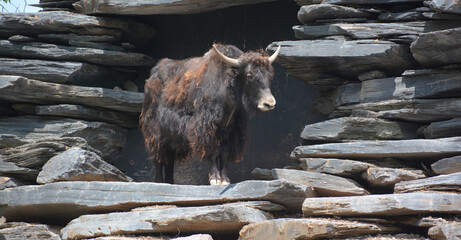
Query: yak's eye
point(249, 76)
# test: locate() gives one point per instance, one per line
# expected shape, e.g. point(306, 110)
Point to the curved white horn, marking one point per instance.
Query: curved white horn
point(274, 56)
point(230, 61)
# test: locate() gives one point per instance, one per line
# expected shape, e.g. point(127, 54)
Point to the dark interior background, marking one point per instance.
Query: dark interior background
point(273, 134)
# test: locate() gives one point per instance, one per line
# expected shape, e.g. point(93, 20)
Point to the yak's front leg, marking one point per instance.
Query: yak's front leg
point(225, 181)
point(213, 174)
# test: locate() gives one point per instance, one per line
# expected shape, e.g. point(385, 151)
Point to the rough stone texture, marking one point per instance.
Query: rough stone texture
point(219, 219)
point(323, 184)
point(448, 6)
point(425, 222)
point(371, 75)
point(411, 15)
point(66, 53)
point(86, 113)
point(9, 182)
point(448, 182)
point(157, 7)
point(401, 236)
point(366, 2)
point(106, 138)
point(404, 149)
point(286, 228)
point(306, 60)
point(339, 167)
point(77, 164)
point(447, 165)
point(449, 230)
point(21, 230)
point(438, 47)
point(388, 177)
point(23, 90)
point(195, 237)
point(358, 128)
point(310, 13)
point(384, 205)
point(449, 128)
point(72, 199)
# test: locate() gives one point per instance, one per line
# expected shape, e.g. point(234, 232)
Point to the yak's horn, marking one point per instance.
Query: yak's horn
point(274, 56)
point(230, 61)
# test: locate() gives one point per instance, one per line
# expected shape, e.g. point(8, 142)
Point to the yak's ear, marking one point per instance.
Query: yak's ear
point(229, 61)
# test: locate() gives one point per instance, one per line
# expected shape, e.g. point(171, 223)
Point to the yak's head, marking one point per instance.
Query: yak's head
point(255, 72)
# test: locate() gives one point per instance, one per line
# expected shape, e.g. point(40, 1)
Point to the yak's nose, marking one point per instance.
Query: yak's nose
point(267, 103)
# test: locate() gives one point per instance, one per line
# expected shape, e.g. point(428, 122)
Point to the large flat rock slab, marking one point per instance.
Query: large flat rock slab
point(22, 90)
point(227, 218)
point(310, 13)
point(334, 166)
point(384, 205)
point(438, 47)
point(448, 182)
point(67, 200)
point(315, 228)
point(403, 149)
point(449, 128)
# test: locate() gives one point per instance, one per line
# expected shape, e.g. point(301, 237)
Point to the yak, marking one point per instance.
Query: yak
point(199, 107)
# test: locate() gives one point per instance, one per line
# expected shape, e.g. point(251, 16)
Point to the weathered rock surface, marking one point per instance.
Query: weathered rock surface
point(388, 177)
point(404, 149)
point(218, 219)
point(400, 236)
point(66, 53)
point(410, 15)
point(286, 228)
point(448, 6)
point(339, 167)
point(23, 90)
point(21, 230)
point(355, 128)
point(384, 205)
point(310, 13)
point(449, 230)
point(9, 182)
point(77, 164)
point(156, 7)
point(448, 182)
point(449, 128)
point(323, 184)
point(366, 2)
point(72, 199)
point(447, 165)
point(438, 47)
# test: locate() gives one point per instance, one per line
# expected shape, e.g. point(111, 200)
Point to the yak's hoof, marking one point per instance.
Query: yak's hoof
point(215, 182)
point(225, 183)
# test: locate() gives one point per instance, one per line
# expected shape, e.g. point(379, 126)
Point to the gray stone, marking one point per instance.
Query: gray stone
point(449, 128)
point(310, 228)
point(195, 237)
point(306, 60)
point(347, 94)
point(22, 90)
point(417, 149)
point(49, 51)
point(441, 16)
point(388, 177)
point(384, 205)
point(11, 169)
point(59, 38)
point(157, 7)
point(76, 164)
point(448, 230)
point(438, 47)
point(9, 182)
point(448, 6)
point(218, 218)
point(358, 128)
point(425, 222)
point(367, 2)
point(447, 165)
point(401, 16)
point(371, 75)
point(314, 12)
point(448, 182)
point(21, 230)
point(339, 167)
point(400, 236)
point(323, 184)
point(72, 199)
point(21, 38)
point(86, 113)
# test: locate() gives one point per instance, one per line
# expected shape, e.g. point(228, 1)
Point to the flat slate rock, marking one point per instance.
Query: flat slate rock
point(323, 184)
point(448, 6)
point(399, 236)
point(448, 182)
point(402, 149)
point(22, 90)
point(438, 47)
point(366, 2)
point(388, 177)
point(448, 230)
point(140, 7)
point(334, 166)
point(384, 205)
point(72, 199)
point(310, 228)
point(358, 128)
point(227, 218)
point(310, 13)
point(76, 164)
point(22, 230)
point(449, 128)
point(447, 165)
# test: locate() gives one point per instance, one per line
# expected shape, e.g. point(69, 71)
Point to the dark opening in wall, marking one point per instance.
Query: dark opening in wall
point(273, 134)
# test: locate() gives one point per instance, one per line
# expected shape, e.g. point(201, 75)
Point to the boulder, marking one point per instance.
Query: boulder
point(76, 164)
point(447, 165)
point(448, 6)
point(323, 184)
point(310, 228)
point(438, 47)
point(22, 230)
point(22, 90)
point(358, 128)
point(334, 166)
point(448, 230)
point(72, 199)
point(384, 205)
point(388, 177)
point(403, 149)
point(448, 182)
point(310, 13)
point(226, 218)
point(449, 128)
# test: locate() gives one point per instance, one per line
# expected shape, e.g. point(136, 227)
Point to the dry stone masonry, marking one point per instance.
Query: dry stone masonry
point(386, 165)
